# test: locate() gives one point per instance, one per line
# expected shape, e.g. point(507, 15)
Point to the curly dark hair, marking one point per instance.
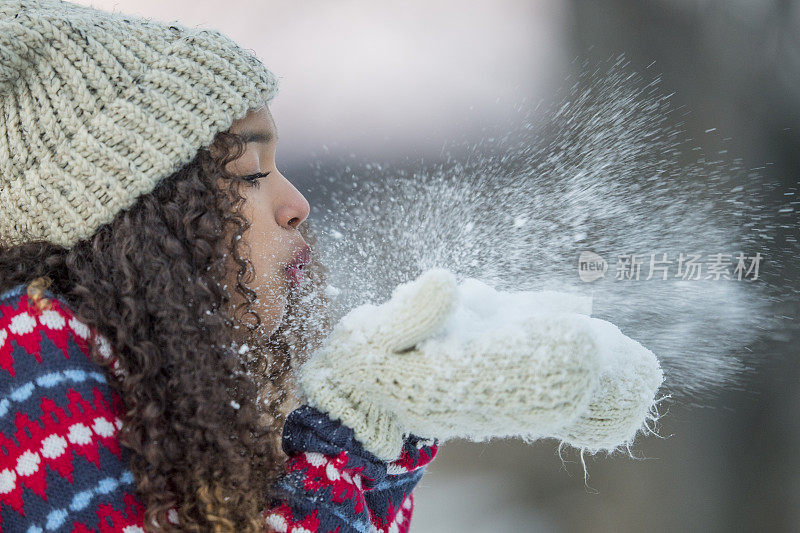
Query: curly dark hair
point(151, 282)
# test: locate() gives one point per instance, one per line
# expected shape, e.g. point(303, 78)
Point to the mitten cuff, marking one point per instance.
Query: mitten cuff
point(378, 431)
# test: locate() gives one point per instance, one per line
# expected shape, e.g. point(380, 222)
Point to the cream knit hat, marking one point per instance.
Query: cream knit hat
point(97, 107)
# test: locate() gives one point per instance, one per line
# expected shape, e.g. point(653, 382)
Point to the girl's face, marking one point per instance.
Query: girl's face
point(274, 208)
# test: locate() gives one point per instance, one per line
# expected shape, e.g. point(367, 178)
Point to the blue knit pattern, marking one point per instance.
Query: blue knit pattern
point(334, 485)
point(62, 467)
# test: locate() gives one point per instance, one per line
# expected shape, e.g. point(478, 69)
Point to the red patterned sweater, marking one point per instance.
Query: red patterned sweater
point(62, 467)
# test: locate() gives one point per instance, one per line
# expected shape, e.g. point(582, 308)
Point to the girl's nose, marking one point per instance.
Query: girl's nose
point(293, 208)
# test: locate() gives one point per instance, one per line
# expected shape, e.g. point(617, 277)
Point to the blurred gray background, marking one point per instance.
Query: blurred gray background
point(387, 81)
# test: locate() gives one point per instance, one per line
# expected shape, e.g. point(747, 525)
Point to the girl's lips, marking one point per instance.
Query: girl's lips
point(294, 270)
point(295, 275)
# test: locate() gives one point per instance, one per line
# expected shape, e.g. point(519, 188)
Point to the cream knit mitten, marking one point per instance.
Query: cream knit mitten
point(406, 367)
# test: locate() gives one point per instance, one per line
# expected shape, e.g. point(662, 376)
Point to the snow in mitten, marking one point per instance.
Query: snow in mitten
point(445, 361)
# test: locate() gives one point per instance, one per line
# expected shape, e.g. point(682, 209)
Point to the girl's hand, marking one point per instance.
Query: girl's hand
point(391, 369)
point(353, 376)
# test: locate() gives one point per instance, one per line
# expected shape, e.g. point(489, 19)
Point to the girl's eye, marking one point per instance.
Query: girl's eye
point(254, 177)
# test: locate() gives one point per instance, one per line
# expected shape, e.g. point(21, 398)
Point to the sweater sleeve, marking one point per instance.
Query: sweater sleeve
point(332, 484)
point(62, 467)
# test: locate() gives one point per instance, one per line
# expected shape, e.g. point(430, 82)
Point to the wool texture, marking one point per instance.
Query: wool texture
point(565, 375)
point(63, 467)
point(98, 107)
point(334, 484)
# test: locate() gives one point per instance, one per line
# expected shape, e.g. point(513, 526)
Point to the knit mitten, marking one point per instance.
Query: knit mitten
point(410, 366)
point(628, 379)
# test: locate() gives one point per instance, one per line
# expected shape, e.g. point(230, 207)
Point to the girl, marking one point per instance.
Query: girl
point(151, 259)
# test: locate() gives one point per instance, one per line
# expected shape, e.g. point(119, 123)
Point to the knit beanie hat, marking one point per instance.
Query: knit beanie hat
point(97, 107)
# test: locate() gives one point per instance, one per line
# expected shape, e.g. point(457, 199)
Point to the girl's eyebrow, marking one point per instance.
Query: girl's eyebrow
point(257, 136)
